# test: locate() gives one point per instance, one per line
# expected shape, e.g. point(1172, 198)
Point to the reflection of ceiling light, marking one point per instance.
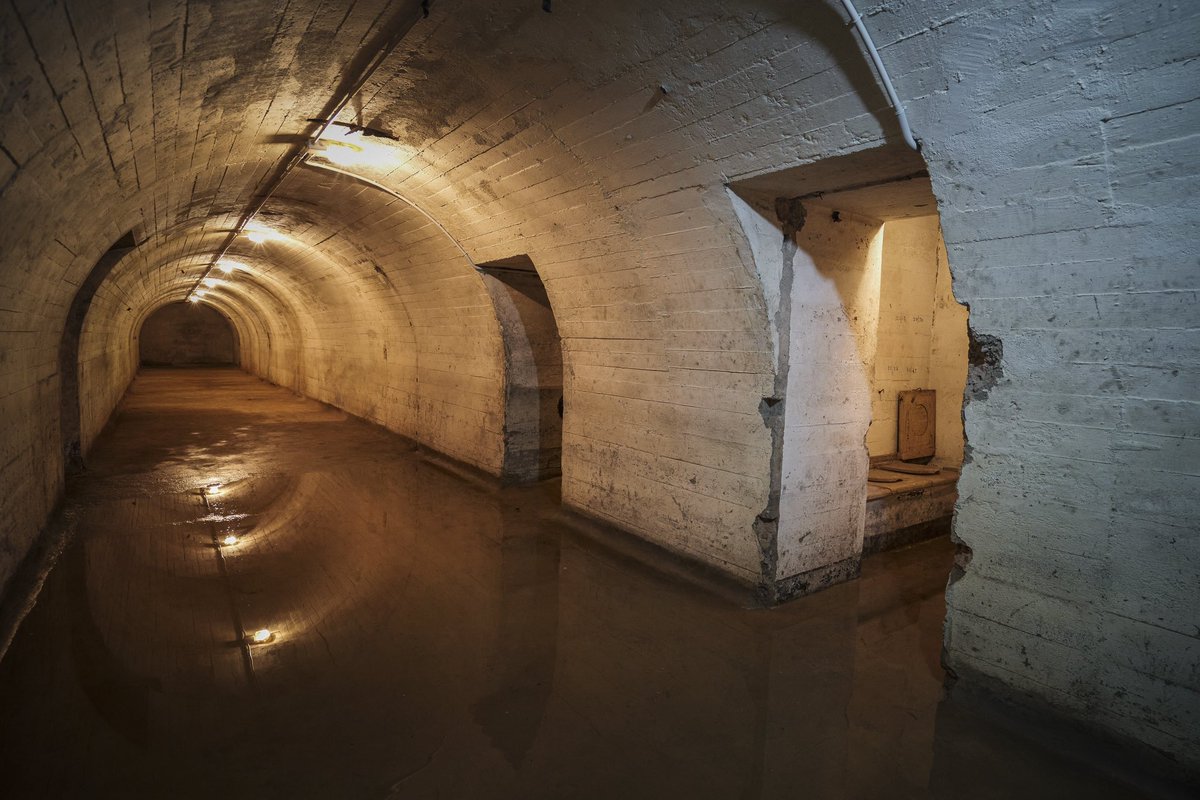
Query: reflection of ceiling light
point(229, 540)
point(258, 237)
point(262, 635)
point(227, 265)
point(213, 490)
point(193, 299)
point(211, 282)
point(351, 149)
point(200, 293)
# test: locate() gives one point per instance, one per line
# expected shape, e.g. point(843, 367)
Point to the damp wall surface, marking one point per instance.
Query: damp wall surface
point(1060, 140)
point(1063, 174)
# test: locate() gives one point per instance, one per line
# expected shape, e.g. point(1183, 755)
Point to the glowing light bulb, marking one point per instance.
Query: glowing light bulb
point(229, 540)
point(262, 635)
point(213, 490)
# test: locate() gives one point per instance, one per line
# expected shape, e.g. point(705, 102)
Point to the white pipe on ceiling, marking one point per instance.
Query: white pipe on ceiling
point(893, 98)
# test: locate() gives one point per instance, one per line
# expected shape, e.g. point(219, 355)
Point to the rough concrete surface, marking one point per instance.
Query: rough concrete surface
point(607, 142)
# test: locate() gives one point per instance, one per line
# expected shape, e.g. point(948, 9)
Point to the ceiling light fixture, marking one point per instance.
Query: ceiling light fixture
point(260, 234)
point(262, 636)
point(350, 148)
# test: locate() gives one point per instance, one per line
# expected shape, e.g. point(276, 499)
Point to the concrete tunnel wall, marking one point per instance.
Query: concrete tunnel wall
point(1060, 139)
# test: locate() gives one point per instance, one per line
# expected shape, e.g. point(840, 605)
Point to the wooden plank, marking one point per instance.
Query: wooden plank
point(916, 429)
point(876, 492)
point(911, 469)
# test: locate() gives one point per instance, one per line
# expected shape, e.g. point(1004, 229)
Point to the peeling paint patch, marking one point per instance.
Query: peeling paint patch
point(791, 214)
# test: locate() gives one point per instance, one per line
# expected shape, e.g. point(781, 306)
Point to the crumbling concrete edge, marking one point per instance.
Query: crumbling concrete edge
point(791, 215)
point(814, 580)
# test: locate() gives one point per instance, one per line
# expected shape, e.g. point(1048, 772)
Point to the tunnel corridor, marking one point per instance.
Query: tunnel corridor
point(432, 637)
point(529, 398)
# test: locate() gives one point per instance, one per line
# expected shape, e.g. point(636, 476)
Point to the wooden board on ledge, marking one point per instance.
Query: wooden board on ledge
point(910, 469)
point(917, 418)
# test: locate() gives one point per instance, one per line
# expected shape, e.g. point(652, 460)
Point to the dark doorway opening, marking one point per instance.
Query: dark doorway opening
point(533, 373)
point(70, 424)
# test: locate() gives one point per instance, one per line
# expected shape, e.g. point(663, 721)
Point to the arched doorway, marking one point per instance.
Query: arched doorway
point(70, 422)
point(533, 370)
point(872, 360)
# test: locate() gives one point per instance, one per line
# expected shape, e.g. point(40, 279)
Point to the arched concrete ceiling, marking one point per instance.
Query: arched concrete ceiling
point(598, 140)
point(594, 140)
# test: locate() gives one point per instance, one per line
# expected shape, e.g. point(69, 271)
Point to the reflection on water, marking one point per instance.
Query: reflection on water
point(437, 640)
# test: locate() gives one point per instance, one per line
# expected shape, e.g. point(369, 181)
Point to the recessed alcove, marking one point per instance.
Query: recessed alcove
point(533, 369)
point(858, 286)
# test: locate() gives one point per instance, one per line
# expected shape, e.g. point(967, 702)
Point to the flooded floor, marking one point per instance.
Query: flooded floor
point(430, 638)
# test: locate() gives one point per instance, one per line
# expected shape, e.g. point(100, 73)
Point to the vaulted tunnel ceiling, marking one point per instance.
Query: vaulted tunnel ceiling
point(615, 145)
point(485, 103)
point(596, 141)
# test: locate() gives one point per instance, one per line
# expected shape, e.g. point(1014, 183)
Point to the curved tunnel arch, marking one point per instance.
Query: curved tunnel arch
point(604, 273)
point(321, 269)
point(598, 143)
point(649, 292)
